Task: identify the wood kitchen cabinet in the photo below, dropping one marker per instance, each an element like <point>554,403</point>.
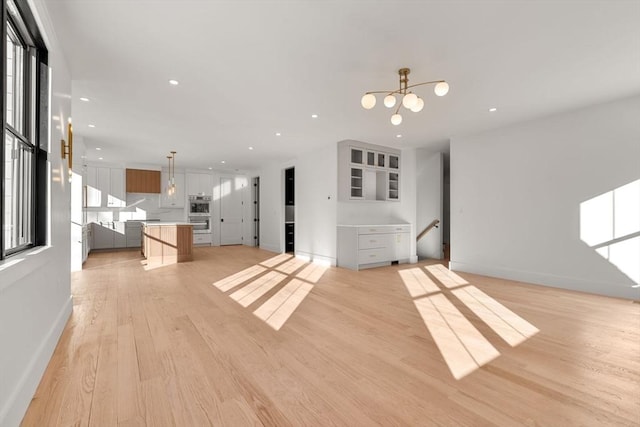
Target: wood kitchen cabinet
<point>167,243</point>
<point>143,181</point>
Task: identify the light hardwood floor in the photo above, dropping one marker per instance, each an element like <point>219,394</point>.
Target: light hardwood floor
<point>166,347</point>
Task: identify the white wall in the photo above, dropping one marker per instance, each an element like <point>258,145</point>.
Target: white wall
<point>35,295</point>
<point>316,188</point>
<point>429,202</point>
<point>516,196</point>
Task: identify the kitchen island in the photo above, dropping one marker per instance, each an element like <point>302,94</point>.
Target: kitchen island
<point>167,242</point>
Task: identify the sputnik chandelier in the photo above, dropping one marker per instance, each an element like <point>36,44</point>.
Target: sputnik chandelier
<point>410,100</point>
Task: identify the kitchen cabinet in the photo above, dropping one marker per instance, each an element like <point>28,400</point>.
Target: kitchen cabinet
<point>368,172</point>
<point>167,243</point>
<point>133,234</point>
<point>177,200</point>
<point>143,181</point>
<point>105,187</point>
<point>108,235</point>
<point>367,246</point>
<point>199,184</point>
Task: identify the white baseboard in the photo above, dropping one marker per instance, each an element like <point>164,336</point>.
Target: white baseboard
<point>616,290</point>
<point>16,405</point>
<point>271,248</point>
<point>318,258</point>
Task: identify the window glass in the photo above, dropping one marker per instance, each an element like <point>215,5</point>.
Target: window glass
<point>18,197</point>
<point>15,81</point>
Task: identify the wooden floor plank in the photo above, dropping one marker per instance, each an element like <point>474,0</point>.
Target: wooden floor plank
<point>165,347</point>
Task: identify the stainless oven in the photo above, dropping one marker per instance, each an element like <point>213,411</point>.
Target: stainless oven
<point>199,205</point>
<point>201,224</point>
<point>200,214</point>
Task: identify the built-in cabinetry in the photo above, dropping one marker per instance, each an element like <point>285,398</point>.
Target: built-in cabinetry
<point>199,184</point>
<point>368,172</point>
<point>176,200</point>
<point>366,246</point>
<point>105,187</point>
<point>108,235</point>
<point>143,181</point>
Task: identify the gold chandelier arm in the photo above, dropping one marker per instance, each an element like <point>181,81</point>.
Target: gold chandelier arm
<point>401,91</point>
<point>426,83</point>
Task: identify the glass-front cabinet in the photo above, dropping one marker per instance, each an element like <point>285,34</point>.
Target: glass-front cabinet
<point>368,172</point>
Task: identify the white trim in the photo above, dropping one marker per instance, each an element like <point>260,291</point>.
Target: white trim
<point>16,405</point>
<point>616,290</point>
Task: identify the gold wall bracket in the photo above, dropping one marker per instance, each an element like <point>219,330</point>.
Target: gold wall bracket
<point>66,148</point>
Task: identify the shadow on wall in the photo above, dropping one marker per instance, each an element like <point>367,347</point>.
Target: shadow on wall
<point>610,225</point>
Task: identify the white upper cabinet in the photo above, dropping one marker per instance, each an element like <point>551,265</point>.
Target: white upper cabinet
<point>199,184</point>
<point>105,187</point>
<point>368,172</point>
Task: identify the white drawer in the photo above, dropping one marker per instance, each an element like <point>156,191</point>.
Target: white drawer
<point>370,256</point>
<point>202,239</point>
<point>381,229</point>
<point>373,241</point>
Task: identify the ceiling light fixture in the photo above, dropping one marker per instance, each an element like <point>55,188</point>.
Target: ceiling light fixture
<point>314,116</point>
<point>173,82</point>
<point>223,162</point>
<point>278,134</point>
<point>398,136</point>
<point>410,100</point>
<point>250,148</point>
<point>493,109</point>
<point>92,126</point>
<point>171,183</point>
<point>84,99</point>
<point>98,148</point>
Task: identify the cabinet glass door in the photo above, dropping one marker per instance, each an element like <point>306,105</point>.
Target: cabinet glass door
<point>393,186</point>
<point>356,183</point>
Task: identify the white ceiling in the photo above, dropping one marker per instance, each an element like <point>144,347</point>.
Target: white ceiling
<point>249,69</point>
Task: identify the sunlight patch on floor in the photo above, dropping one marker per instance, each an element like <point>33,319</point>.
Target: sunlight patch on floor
<point>254,290</point>
<point>462,346</point>
<point>276,310</point>
<point>417,282</point>
<point>238,278</point>
<point>272,262</point>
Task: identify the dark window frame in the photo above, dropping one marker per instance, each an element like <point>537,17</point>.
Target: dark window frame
<point>34,132</point>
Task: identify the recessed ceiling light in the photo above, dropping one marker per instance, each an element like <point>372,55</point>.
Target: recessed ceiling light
<point>314,116</point>
<point>493,109</point>
<point>92,126</point>
<point>84,99</point>
<point>173,82</point>
<point>99,158</point>
<point>398,136</point>
<point>98,148</point>
<point>250,148</point>
<point>210,168</point>
<point>278,134</point>
<point>223,161</point>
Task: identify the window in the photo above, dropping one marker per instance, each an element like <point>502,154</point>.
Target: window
<point>24,185</point>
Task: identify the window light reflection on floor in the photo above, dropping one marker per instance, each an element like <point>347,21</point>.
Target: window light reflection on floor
<point>462,346</point>
<point>252,283</point>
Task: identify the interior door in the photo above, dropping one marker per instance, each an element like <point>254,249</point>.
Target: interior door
<point>230,212</point>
